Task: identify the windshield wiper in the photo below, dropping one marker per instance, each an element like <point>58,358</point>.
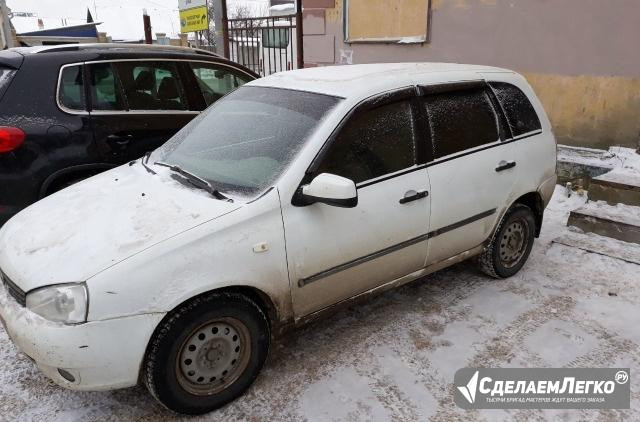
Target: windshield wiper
<point>195,181</point>
<point>144,162</point>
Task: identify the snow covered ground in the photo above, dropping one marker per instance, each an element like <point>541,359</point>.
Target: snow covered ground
<point>395,357</point>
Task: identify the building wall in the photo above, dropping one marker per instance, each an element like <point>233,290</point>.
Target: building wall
<point>580,56</point>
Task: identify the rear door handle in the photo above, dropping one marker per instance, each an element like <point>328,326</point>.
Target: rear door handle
<point>505,165</point>
<point>413,196</point>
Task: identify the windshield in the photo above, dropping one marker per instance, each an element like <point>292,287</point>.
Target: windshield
<point>243,142</point>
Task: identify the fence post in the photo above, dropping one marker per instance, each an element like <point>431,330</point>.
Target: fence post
<point>299,34</point>
<point>225,29</point>
<point>146,21</point>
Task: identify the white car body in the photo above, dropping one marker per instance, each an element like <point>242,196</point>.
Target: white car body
<point>144,244</point>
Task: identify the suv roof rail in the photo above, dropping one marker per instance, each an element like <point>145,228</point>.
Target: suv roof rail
<point>114,46</point>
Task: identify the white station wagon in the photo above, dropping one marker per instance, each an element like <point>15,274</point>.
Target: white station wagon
<point>292,195</point>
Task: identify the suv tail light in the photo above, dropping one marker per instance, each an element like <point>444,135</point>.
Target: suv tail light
<point>10,138</point>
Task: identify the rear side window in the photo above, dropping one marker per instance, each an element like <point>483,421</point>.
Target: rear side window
<point>71,88</point>
<point>151,85</point>
<point>105,94</point>
<point>6,75</point>
<point>216,81</point>
<point>460,120</point>
<point>373,143</point>
<point>521,115</point>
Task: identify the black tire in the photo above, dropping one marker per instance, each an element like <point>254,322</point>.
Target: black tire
<point>496,261</point>
<point>164,375</point>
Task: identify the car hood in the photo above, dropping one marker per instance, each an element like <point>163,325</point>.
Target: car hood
<point>88,227</point>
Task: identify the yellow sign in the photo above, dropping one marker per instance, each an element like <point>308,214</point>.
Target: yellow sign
<point>196,19</point>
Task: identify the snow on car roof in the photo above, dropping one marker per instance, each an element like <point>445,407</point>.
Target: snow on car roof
<point>367,79</point>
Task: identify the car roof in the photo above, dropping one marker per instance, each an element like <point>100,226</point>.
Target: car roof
<point>364,80</point>
<point>74,53</point>
<point>112,47</point>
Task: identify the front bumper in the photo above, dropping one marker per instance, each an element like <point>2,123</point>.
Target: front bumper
<point>100,355</point>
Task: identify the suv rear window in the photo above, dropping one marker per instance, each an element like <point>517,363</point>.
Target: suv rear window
<point>71,89</point>
<point>6,74</point>
<point>520,113</point>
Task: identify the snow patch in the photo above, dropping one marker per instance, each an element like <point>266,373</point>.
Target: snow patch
<point>419,39</point>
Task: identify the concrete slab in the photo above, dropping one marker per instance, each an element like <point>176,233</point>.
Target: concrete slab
<point>620,222</point>
<point>616,188</point>
<point>601,245</point>
<point>582,164</point>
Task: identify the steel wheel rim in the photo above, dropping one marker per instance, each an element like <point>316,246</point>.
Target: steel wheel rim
<point>513,243</point>
<point>213,356</point>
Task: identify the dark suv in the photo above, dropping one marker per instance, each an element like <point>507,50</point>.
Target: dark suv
<point>69,112</point>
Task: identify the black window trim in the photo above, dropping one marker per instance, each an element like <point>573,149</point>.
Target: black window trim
<point>426,90</point>
<point>61,106</point>
<point>504,113</point>
<point>409,92</point>
<point>424,155</point>
<point>498,111</point>
<point>86,64</point>
<point>370,103</point>
<point>423,137</point>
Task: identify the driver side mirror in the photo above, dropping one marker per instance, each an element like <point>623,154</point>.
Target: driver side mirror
<point>332,190</point>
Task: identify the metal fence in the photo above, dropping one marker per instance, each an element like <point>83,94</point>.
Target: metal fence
<point>265,45</point>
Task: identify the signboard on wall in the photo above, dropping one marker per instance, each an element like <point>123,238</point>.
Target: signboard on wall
<point>403,21</point>
<point>194,15</point>
<point>196,19</point>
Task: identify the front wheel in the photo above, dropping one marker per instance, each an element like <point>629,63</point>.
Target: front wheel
<point>206,353</point>
<point>511,244</point>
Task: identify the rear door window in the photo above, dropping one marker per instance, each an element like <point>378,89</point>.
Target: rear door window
<point>460,120</point>
<point>105,91</point>
<point>71,88</point>
<point>151,85</point>
<point>217,81</point>
<point>521,115</point>
<point>373,143</point>
<point>6,74</point>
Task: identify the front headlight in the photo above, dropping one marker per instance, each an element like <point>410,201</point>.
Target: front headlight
<point>66,303</point>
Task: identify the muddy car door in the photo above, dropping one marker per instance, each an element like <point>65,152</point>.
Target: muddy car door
<point>474,169</point>
<point>336,253</point>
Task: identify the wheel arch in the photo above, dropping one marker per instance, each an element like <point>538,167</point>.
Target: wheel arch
<point>262,299</point>
<point>534,201</point>
<point>69,173</point>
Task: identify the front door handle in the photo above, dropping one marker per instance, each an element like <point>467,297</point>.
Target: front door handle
<point>119,140</point>
<point>413,196</point>
<point>505,165</point>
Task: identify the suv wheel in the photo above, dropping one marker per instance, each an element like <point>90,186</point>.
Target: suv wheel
<point>206,353</point>
<point>511,244</point>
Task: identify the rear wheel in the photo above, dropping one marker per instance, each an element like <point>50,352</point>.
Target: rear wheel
<point>207,353</point>
<point>511,244</point>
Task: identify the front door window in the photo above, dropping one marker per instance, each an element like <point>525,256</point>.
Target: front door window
<point>374,143</point>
